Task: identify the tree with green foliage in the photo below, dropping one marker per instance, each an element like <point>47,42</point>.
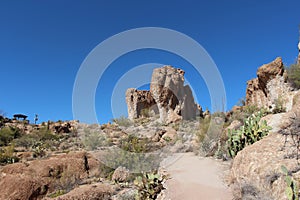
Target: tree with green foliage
<point>7,134</point>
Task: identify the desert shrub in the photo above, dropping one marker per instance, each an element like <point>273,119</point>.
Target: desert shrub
<point>7,155</point>
<point>251,109</point>
<point>122,121</point>
<point>140,121</point>
<point>26,141</point>
<point>203,128</point>
<point>149,185</point>
<point>213,133</point>
<point>65,180</point>
<point>248,191</point>
<point>292,130</point>
<point>278,106</point>
<point>38,149</point>
<point>252,131</point>
<point>133,154</point>
<point>92,139</point>
<point>57,193</point>
<point>218,114</point>
<point>38,141</point>
<point>135,162</point>
<point>7,134</point>
<point>294,75</point>
<point>134,144</point>
<point>45,134</point>
<point>145,112</point>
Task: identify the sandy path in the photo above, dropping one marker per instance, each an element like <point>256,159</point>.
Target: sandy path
<point>196,178</point>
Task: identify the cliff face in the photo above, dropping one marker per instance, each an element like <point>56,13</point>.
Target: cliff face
<point>168,96</point>
<point>269,87</point>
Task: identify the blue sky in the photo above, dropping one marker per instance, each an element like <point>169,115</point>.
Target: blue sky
<point>43,44</point>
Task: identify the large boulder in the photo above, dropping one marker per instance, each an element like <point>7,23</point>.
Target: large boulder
<point>35,179</point>
<point>168,96</point>
<point>270,87</point>
<point>259,165</point>
<point>97,191</point>
<point>121,174</point>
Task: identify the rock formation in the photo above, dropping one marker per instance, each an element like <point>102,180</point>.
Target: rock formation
<point>138,100</point>
<point>35,179</point>
<point>260,164</point>
<point>269,87</point>
<point>168,96</point>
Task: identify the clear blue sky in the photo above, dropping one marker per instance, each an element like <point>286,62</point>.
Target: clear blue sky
<point>43,43</point>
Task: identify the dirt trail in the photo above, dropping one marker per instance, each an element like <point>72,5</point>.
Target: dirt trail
<point>196,178</point>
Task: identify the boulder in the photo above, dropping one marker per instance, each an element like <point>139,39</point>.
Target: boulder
<point>234,125</point>
<point>37,178</point>
<point>270,87</point>
<point>121,174</point>
<point>97,191</point>
<point>259,165</point>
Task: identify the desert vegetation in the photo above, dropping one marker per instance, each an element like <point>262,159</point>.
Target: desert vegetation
<point>122,159</point>
<point>293,72</point>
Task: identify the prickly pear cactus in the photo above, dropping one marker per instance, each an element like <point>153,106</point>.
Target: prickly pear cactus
<point>292,190</point>
<point>249,133</point>
<point>149,185</point>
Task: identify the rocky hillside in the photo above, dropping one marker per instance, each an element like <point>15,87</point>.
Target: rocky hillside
<point>122,159</point>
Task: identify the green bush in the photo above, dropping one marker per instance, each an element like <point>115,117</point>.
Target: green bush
<point>92,140</point>
<point>38,141</point>
<point>294,75</point>
<point>249,133</point>
<point>27,140</point>
<point>203,128</point>
<point>7,134</point>
<point>133,154</point>
<point>213,135</point>
<point>7,155</point>
<point>135,162</point>
<point>134,144</point>
<point>45,134</point>
<point>122,121</point>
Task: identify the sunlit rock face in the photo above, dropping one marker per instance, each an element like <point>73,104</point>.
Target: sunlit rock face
<point>168,96</point>
<point>269,87</point>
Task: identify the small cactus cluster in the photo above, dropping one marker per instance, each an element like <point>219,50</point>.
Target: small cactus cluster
<point>149,185</point>
<point>292,190</point>
<point>252,131</point>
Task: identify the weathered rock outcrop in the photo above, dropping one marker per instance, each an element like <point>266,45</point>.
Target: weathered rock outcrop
<point>35,179</point>
<point>259,165</point>
<point>168,95</point>
<point>137,100</point>
<point>269,87</point>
